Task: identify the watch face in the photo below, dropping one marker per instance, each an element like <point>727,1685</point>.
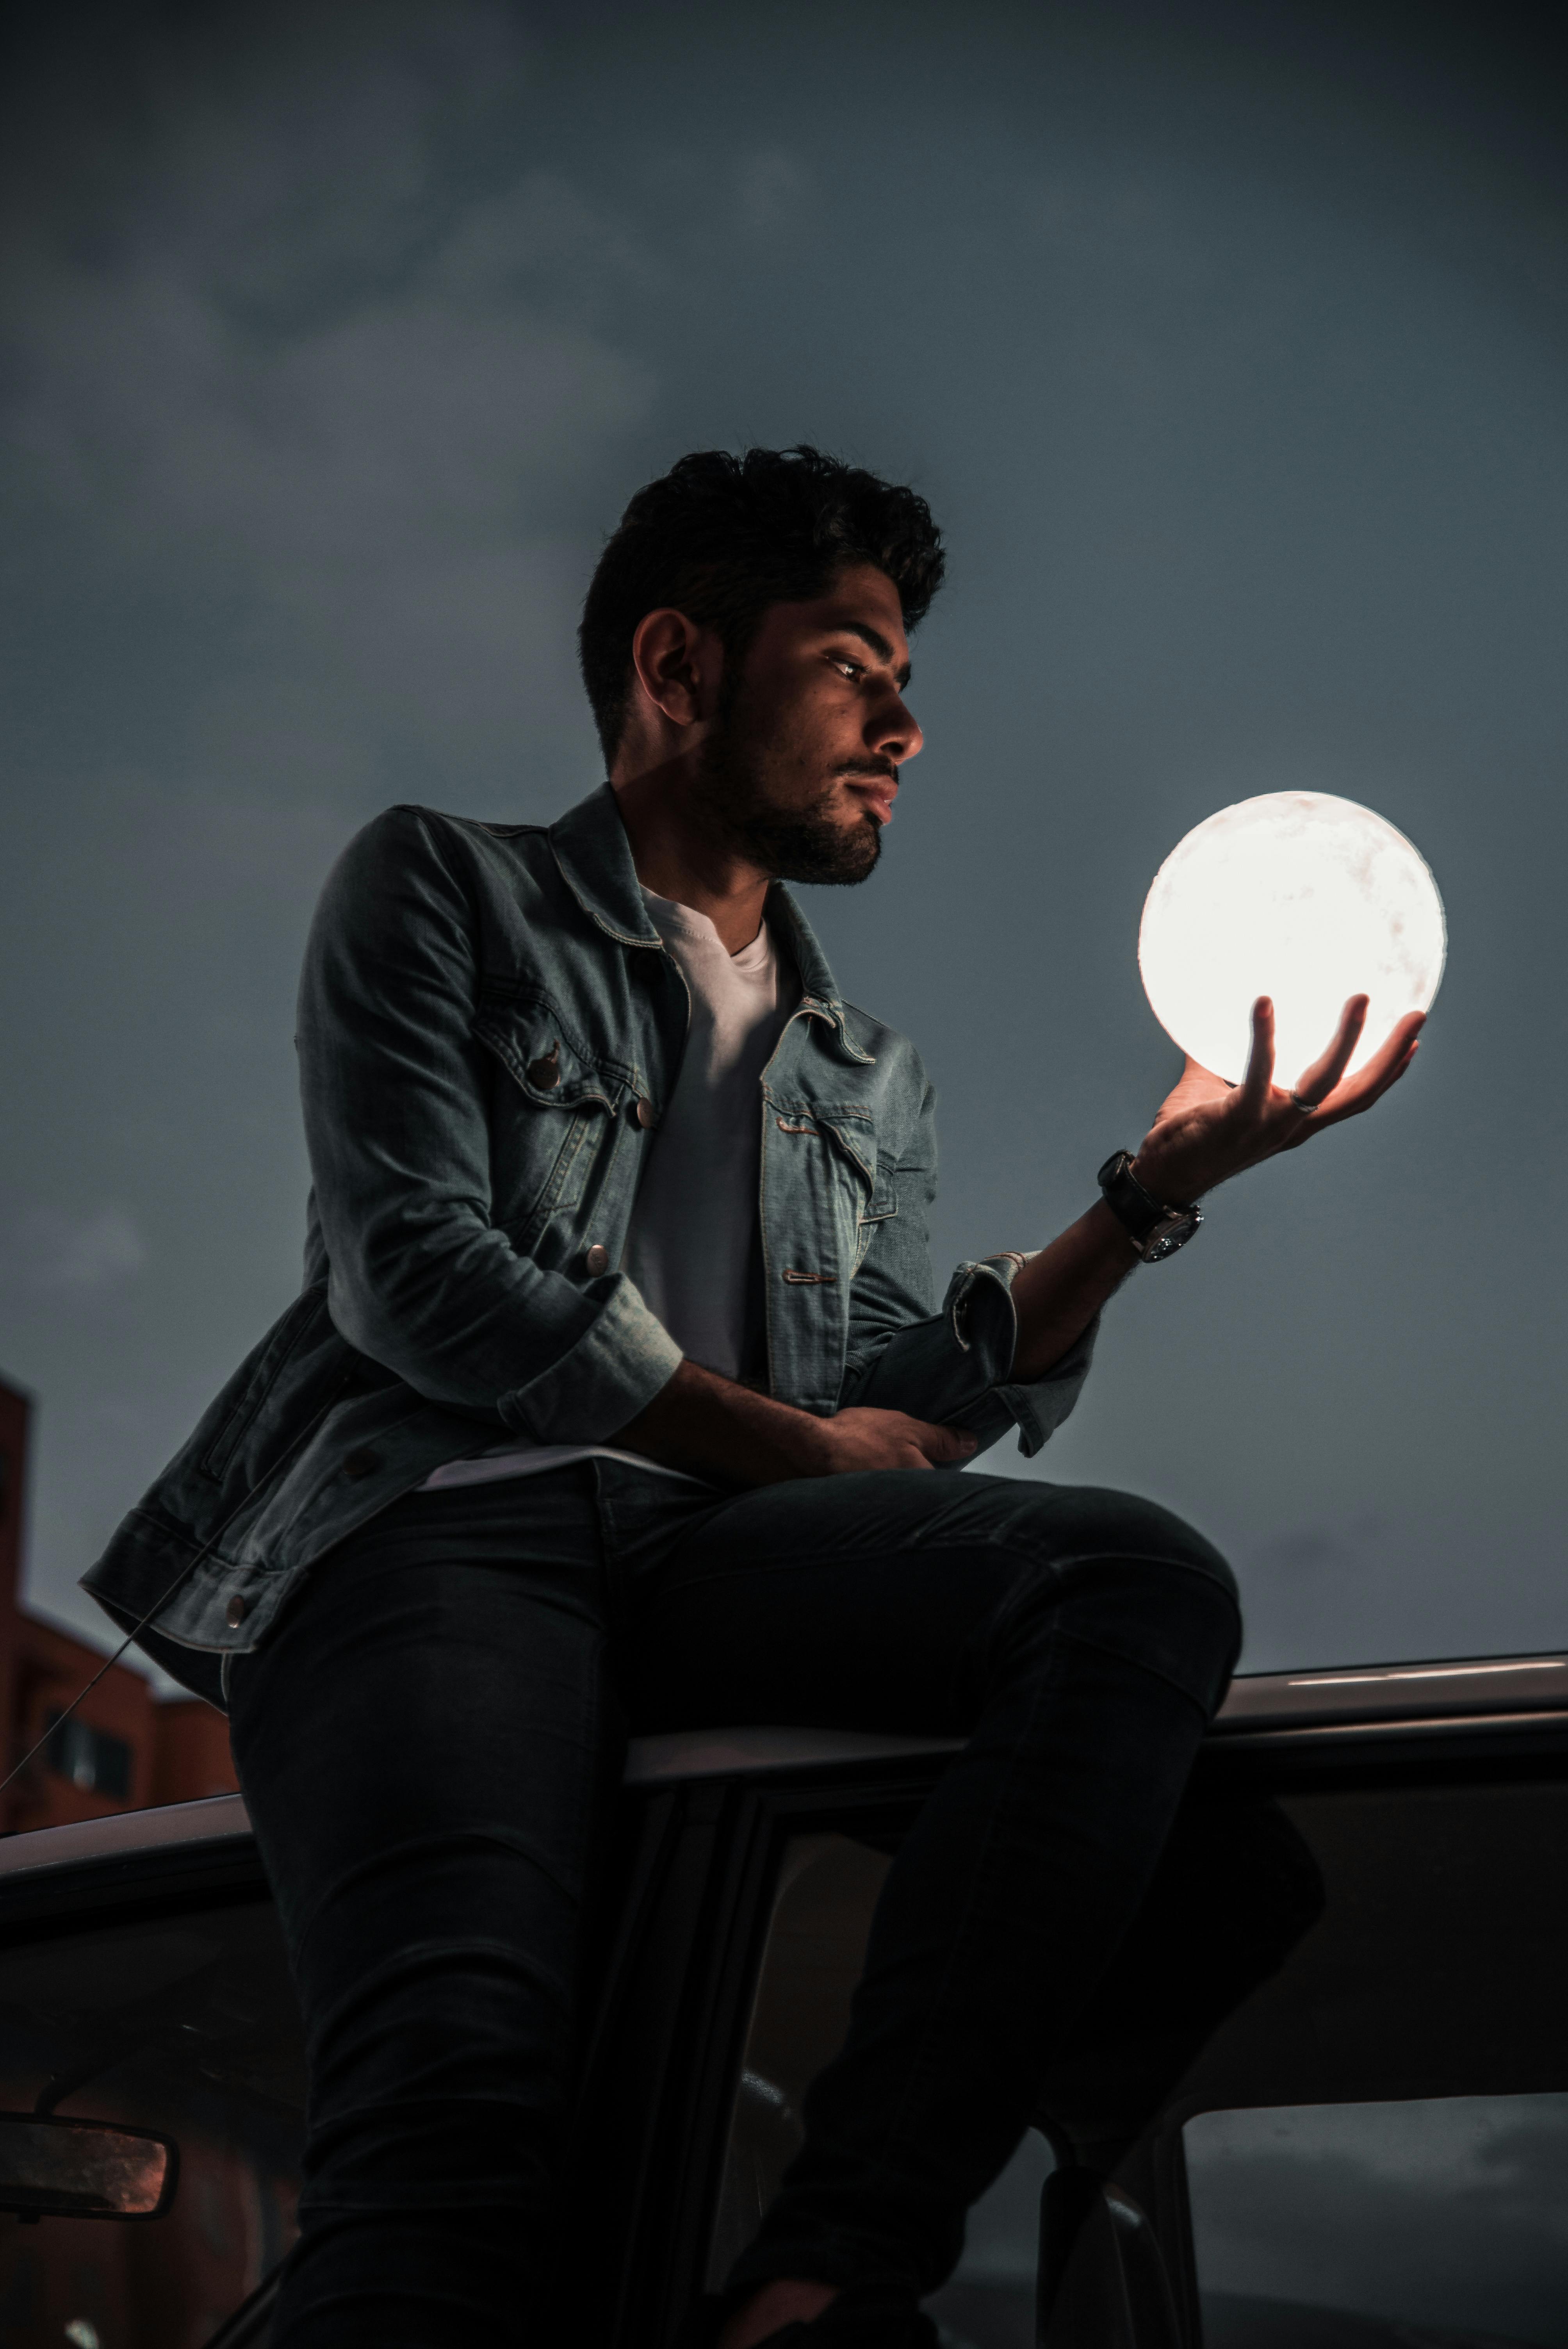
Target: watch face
<point>1173,1233</point>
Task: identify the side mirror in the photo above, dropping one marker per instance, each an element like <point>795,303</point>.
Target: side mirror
<point>58,2168</point>
<point>1102,2278</point>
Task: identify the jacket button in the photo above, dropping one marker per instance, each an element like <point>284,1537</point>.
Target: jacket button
<point>235,1612</point>
<point>598,1258</point>
<point>646,1114</point>
<point>361,1462</point>
<point>545,1073</point>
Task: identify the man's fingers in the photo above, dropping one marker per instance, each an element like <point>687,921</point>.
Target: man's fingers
<point>1260,1060</point>
<point>1325,1072</point>
<point>942,1443</point>
<point>1396,1053</point>
<point>1387,1063</point>
<point>1368,1085</point>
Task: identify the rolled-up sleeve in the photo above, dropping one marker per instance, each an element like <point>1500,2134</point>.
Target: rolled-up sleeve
<point>393,1088</point>
<point>954,1365</point>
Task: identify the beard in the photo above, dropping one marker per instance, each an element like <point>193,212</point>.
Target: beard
<point>790,844</point>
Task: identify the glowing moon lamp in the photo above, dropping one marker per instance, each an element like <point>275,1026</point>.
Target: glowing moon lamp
<point>1299,895</point>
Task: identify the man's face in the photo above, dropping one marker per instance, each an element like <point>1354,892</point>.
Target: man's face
<point>801,767</point>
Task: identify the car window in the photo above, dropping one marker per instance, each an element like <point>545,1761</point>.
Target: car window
<point>813,1957</point>
<point>1447,2214</point>
<point>989,2301</point>
<point>187,2025</point>
<point>816,1945</point>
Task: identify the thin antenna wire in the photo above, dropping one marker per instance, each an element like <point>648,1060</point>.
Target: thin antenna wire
<point>61,1718</point>
<point>208,1546</point>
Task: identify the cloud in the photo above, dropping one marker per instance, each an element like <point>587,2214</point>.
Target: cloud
<point>149,413</point>
<point>1346,1545</point>
<point>1447,2210</point>
<point>209,847</point>
<point>1117,218</point>
<point>50,1253</point>
<point>329,415</point>
<point>773,189</point>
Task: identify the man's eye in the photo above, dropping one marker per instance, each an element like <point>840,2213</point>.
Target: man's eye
<point>848,668</point>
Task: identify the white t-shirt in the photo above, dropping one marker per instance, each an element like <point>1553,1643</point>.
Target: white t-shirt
<point>693,1246</point>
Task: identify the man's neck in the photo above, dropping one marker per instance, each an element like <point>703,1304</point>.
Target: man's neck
<point>676,856</point>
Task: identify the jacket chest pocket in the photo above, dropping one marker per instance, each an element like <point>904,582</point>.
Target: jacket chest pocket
<point>553,1120</point>
<point>836,1187</point>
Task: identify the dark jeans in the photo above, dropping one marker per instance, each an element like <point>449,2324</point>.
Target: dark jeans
<point>428,1744</point>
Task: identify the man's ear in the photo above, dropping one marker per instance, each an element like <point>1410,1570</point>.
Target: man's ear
<point>677,666</point>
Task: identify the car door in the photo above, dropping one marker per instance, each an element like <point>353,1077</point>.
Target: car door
<point>143,1981</point>
<point>1322,2102</point>
<point>1371,2149</point>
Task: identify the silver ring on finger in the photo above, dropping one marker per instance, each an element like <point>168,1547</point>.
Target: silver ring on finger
<point>1306,1107</point>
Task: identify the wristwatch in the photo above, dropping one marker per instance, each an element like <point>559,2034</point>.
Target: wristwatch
<point>1155,1231</point>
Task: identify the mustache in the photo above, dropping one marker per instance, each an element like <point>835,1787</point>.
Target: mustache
<point>883,770</point>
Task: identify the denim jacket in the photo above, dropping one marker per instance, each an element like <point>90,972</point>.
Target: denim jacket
<point>489,1029</point>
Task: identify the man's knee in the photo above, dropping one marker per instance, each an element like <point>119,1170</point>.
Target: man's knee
<point>1085,1525</point>
<point>1128,1577</point>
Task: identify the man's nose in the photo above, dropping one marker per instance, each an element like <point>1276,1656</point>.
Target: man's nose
<point>894,732</point>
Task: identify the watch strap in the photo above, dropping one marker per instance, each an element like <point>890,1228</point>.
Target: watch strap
<point>1155,1229</point>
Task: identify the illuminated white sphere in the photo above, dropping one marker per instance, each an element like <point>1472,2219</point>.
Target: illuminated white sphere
<point>1301,896</point>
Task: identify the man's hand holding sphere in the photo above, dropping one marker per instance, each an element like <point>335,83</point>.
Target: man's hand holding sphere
<point>1326,921</point>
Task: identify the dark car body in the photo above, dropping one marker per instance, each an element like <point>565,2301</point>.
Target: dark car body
<point>1321,2104</point>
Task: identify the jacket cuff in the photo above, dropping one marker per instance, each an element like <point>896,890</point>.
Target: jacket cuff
<point>955,1368</point>
<point>622,1361</point>
<point>979,1304</point>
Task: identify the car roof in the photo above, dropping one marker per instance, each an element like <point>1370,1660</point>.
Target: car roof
<point>1259,1707</point>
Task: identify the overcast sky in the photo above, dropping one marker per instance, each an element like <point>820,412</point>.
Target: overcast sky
<point>1229,347</point>
<point>1444,2211</point>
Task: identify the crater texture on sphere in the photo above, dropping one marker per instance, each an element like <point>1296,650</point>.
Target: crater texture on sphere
<point>1299,895</point>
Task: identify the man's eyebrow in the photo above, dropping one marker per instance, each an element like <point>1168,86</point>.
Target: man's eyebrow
<point>879,644</point>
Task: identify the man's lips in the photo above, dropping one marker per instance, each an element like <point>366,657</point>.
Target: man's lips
<point>878,792</point>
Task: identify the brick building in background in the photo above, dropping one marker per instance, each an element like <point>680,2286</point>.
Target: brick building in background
<point>122,1749</point>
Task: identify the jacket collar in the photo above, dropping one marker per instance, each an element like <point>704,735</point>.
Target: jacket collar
<point>591,847</point>
<point>820,991</point>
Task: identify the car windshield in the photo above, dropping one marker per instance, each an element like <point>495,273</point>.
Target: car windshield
<point>187,2025</point>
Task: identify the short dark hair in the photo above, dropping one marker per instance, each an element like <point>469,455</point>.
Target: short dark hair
<point>721,537</point>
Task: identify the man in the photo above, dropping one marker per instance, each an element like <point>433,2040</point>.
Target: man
<point>613,1398</point>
